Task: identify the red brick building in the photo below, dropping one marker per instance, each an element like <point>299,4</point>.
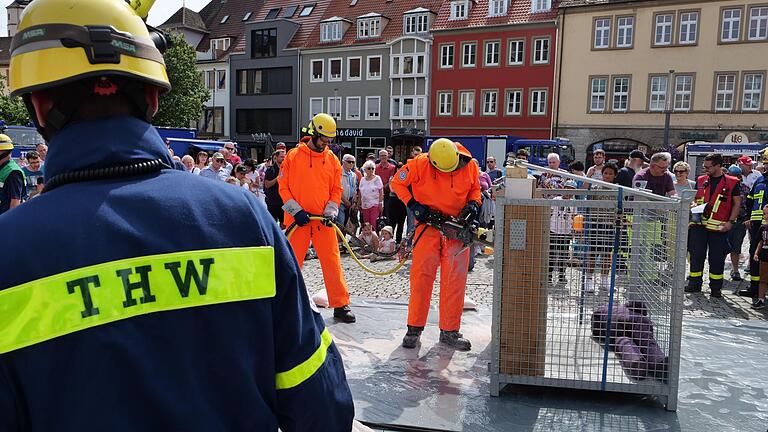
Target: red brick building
<point>493,66</point>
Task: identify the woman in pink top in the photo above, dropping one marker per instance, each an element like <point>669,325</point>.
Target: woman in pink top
<point>371,194</point>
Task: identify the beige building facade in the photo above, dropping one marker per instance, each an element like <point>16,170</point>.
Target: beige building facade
<point>622,65</point>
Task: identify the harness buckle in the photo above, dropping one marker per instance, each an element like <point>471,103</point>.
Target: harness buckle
<point>101,49</point>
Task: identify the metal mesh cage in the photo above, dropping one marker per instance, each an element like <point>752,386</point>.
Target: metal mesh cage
<point>588,290</point>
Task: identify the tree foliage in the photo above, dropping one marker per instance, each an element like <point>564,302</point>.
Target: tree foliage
<point>12,109</point>
<point>184,103</point>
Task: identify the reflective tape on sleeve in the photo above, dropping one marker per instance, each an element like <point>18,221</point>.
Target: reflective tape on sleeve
<point>302,372</point>
<point>79,299</point>
<point>715,276</point>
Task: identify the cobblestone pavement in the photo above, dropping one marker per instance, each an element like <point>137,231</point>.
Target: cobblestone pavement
<point>480,288</point>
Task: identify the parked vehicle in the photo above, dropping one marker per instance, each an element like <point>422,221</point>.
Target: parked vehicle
<point>24,139</point>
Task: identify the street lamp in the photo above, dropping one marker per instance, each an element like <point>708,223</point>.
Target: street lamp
<point>213,102</point>
<point>668,108</point>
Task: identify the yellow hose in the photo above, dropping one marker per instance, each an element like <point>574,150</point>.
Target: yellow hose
<point>343,238</point>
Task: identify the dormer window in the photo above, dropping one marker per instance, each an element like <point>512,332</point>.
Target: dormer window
<point>416,23</point>
<point>368,27</point>
<point>497,8</point>
<point>330,31</point>
<point>459,9</point>
<point>219,46</point>
<point>541,5</point>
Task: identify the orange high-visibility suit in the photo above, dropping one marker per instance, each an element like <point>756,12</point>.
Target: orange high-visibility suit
<point>447,193</point>
<point>313,180</point>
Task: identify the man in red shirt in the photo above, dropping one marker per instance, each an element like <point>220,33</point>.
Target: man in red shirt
<point>386,171</point>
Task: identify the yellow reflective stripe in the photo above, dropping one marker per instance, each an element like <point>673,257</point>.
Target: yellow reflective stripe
<point>697,274</point>
<point>302,372</point>
<point>717,204</point>
<point>715,276</point>
<point>79,299</point>
<point>754,278</point>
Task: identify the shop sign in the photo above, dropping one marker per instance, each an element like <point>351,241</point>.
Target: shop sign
<point>409,132</point>
<point>736,138</point>
<point>698,136</point>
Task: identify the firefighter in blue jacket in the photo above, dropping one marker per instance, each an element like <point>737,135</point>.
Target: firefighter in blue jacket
<point>136,314</point>
<point>756,200</point>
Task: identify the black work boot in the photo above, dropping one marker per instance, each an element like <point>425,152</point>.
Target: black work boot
<point>691,288</point>
<point>344,314</point>
<point>412,336</point>
<point>455,339</point>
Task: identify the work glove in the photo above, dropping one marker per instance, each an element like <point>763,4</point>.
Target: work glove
<point>331,210</point>
<point>294,209</point>
<point>469,213</point>
<point>420,211</point>
<point>301,218</point>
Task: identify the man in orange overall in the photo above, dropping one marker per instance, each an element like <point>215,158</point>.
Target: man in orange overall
<point>310,185</point>
<point>445,181</point>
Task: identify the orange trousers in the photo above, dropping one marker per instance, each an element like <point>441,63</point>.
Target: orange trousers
<point>327,247</point>
<point>432,250</point>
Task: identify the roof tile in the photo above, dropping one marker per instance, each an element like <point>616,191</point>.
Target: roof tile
<point>306,24</point>
<point>234,27</point>
<point>519,12</point>
<point>392,9</point>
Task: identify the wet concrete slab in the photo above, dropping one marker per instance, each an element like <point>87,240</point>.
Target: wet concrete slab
<point>723,384</point>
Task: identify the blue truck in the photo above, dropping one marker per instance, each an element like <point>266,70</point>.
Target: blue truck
<point>502,146</point>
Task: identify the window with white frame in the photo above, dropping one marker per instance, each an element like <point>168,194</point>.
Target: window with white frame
<point>625,27</point>
<point>658,98</point>
<point>516,52</point>
<point>216,79</point>
<point>334,69</point>
<point>758,23</point>
<point>538,102</point>
<point>334,107</point>
<point>446,56</point>
<point>598,87</point>
<point>689,24</point>
<point>620,93</point>
<point>315,106</point>
<point>368,28</point>
<point>731,25</point>
<point>466,103</point>
<point>444,103</point>
<point>416,23</point>
<point>408,65</point>
<point>663,29</point>
<point>514,102</point>
<point>408,107</point>
<point>330,31</point>
<point>725,89</point>
<point>541,51</point>
<point>541,5</point>
<point>354,68</point>
<point>374,68</point>
<point>459,9</point>
<point>492,53</point>
<point>353,108</point>
<point>602,33</point>
<point>220,44</point>
<point>683,92</point>
<point>468,51</point>
<point>372,107</point>
<point>753,91</point>
<point>490,102</point>
<point>497,7</point>
<point>318,67</point>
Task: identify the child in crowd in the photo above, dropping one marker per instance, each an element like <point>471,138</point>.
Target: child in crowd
<point>369,239</point>
<point>761,254</point>
<point>387,245</point>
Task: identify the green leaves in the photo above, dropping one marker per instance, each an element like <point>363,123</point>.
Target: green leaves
<point>12,109</point>
<point>184,103</point>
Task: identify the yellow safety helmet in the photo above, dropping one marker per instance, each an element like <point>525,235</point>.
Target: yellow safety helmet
<point>764,154</point>
<point>444,155</point>
<point>58,42</point>
<point>322,124</point>
<point>5,143</point>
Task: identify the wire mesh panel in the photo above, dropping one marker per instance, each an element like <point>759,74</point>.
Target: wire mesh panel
<point>588,291</point>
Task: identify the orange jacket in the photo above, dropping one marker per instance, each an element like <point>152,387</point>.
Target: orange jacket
<point>445,192</point>
<point>311,178</point>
